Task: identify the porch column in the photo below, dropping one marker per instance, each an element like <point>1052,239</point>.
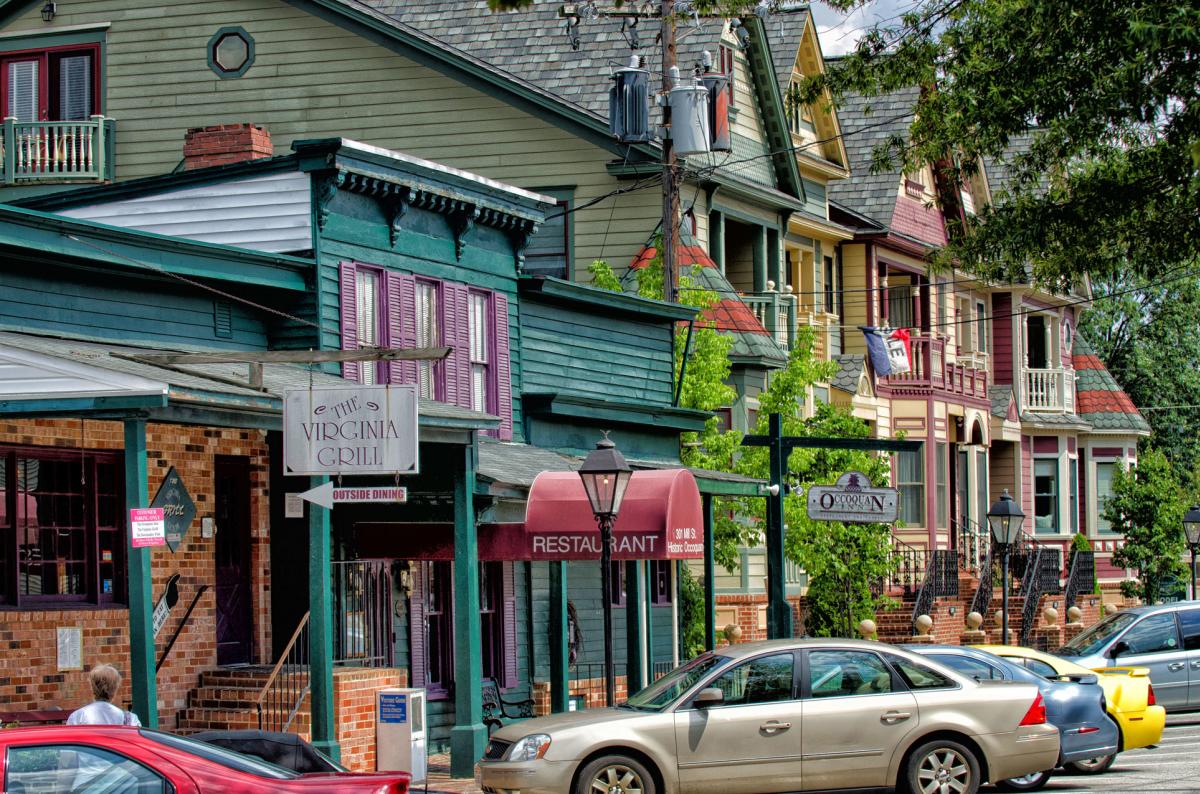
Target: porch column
<point>141,631</point>
<point>648,624</point>
<point>468,736</point>
<point>559,658</point>
<point>634,592</point>
<point>774,270</point>
<point>320,629</point>
<point>759,250</point>
<point>710,585</point>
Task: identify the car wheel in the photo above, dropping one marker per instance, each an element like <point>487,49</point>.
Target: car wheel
<point>1030,782</point>
<point>942,767</point>
<point>615,774</point>
<point>1093,766</point>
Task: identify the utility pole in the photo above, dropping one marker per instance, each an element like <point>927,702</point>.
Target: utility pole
<point>670,214</point>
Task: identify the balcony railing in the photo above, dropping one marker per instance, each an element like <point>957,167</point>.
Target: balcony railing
<point>932,371</point>
<point>1048,390</point>
<point>58,151</point>
<point>777,312</point>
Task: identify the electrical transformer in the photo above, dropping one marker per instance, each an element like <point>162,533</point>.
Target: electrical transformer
<point>629,104</point>
<point>689,116</point>
<point>718,110</point>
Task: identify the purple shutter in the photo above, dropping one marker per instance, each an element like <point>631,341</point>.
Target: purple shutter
<point>418,662</point>
<point>503,369</point>
<point>402,324</point>
<point>348,298</point>
<point>509,587</point>
<point>456,334</point>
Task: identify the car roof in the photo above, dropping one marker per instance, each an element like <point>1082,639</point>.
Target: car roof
<point>1154,608</point>
<point>743,650</point>
<point>33,730</point>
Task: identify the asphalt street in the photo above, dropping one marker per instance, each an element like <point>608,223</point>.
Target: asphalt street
<point>1173,765</point>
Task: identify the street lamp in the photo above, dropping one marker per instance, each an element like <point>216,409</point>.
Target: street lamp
<point>605,476</point>
<point>1191,528</point>
<point>1005,519</point>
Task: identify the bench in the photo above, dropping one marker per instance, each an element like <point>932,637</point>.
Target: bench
<point>43,717</point>
<point>497,710</point>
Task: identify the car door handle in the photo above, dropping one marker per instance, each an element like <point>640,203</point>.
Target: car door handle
<point>772,726</point>
<point>1175,667</point>
<point>892,717</point>
<point>1196,665</point>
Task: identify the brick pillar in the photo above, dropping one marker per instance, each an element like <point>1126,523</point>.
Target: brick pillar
<point>222,144</point>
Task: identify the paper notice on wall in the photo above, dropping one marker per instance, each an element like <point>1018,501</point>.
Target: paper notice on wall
<point>70,648</point>
<point>147,527</point>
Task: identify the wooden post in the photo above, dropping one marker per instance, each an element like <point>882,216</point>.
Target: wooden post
<point>710,586</point>
<point>468,736</point>
<point>670,188</point>
<point>320,629</point>
<point>10,150</point>
<point>559,658</point>
<point>633,627</point>
<point>141,631</point>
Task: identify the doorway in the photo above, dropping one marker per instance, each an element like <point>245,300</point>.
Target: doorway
<point>234,609</point>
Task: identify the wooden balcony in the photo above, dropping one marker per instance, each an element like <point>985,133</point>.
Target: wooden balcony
<point>1048,391</point>
<point>931,372</point>
<point>57,151</point>
<point>777,312</point>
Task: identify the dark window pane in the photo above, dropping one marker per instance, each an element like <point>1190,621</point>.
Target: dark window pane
<point>844,673</point>
<point>767,679</point>
<point>918,676</point>
<point>77,768</point>
<point>1189,619</point>
<point>968,666</point>
<point>1155,634</point>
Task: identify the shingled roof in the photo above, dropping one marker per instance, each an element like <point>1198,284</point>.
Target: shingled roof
<point>729,315</point>
<point>1100,400</point>
<point>866,123</point>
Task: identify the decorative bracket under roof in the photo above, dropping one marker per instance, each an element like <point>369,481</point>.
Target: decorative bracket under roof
<point>462,221</point>
<point>396,207</point>
<point>327,188</point>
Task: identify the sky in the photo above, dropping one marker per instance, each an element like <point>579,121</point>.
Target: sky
<point>840,32</point>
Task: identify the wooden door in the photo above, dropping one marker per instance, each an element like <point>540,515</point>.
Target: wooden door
<point>235,625</point>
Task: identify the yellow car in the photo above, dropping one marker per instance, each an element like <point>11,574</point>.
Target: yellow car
<point>1127,691</point>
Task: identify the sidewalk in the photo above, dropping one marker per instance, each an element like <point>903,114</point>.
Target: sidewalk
<point>441,782</point>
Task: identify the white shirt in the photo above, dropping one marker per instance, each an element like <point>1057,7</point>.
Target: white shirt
<point>101,712</point>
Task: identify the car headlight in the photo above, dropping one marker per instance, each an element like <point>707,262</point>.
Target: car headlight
<point>529,748</point>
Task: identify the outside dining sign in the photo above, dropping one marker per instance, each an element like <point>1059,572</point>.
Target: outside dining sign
<point>853,500</point>
<point>351,430</point>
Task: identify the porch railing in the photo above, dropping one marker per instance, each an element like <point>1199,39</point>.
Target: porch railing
<point>777,312</point>
<point>282,695</point>
<point>58,151</point>
<point>1046,390</point>
<point>931,370</point>
<point>586,684</point>
<point>362,613</point>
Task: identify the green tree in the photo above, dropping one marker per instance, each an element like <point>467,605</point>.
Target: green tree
<point>1101,97</point>
<point>1146,508</point>
<point>1149,339</point>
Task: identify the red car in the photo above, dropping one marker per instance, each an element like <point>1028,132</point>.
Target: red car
<point>119,760</point>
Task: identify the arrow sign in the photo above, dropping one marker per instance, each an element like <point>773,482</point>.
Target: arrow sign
<point>327,496</point>
<point>321,495</point>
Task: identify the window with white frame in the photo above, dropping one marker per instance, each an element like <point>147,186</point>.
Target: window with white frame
<point>428,335</point>
<point>1104,484</point>
<point>910,480</point>
<point>964,327</point>
<point>479,320</point>
<point>1045,496</point>
<point>981,328</point>
<point>366,310</point>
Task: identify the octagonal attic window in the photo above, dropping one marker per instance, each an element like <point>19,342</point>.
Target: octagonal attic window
<point>230,52</point>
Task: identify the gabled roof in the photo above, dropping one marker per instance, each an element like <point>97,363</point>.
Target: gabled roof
<point>1100,400</point>
<point>729,315</point>
<point>866,123</point>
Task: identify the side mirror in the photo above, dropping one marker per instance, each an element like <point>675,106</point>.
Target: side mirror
<point>710,696</point>
<point>1118,649</point>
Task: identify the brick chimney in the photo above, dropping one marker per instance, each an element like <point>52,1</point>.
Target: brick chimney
<point>222,144</point>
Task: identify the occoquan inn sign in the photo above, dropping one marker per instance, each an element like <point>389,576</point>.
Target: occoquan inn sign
<point>853,500</point>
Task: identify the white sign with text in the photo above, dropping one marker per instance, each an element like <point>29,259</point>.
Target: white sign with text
<point>351,430</point>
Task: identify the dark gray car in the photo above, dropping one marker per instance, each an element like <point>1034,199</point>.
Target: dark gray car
<point>1165,639</point>
<point>1075,706</point>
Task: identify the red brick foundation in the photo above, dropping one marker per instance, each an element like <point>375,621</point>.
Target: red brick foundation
<point>354,708</point>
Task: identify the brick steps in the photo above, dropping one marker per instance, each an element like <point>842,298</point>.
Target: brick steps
<point>227,698</point>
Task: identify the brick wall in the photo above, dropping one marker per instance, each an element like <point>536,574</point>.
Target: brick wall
<point>222,144</point>
<point>29,678</point>
<point>354,708</point>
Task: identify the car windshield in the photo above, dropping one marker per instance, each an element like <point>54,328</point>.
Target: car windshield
<point>219,755</point>
<point>1095,638</point>
<point>667,689</point>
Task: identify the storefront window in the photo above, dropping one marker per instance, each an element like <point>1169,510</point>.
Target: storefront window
<point>1045,496</point>
<point>60,519</point>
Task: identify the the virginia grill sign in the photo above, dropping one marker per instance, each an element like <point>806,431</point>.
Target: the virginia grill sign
<point>853,500</point>
<point>351,430</point>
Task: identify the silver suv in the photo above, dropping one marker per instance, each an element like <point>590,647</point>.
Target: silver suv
<point>1165,639</point>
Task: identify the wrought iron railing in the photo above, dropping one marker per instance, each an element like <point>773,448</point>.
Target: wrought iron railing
<point>282,695</point>
<point>941,580</point>
<point>661,669</point>
<point>1081,577</point>
<point>777,313</point>
<point>974,543</point>
<point>910,564</point>
<point>362,613</point>
<point>1042,576</point>
<point>982,601</point>
<point>57,151</point>
<point>1045,390</point>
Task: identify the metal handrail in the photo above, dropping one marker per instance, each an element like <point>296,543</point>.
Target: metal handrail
<point>1081,577</point>
<point>911,563</point>
<point>288,672</point>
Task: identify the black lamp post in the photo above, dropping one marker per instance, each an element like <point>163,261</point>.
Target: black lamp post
<point>1005,519</point>
<point>1191,528</point>
<point>605,477</point>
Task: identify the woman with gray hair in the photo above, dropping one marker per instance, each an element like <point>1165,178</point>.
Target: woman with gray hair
<point>105,681</point>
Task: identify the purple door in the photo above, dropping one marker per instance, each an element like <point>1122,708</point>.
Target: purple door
<point>234,622</point>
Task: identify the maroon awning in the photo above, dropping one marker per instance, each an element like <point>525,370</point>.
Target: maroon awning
<point>660,518</point>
